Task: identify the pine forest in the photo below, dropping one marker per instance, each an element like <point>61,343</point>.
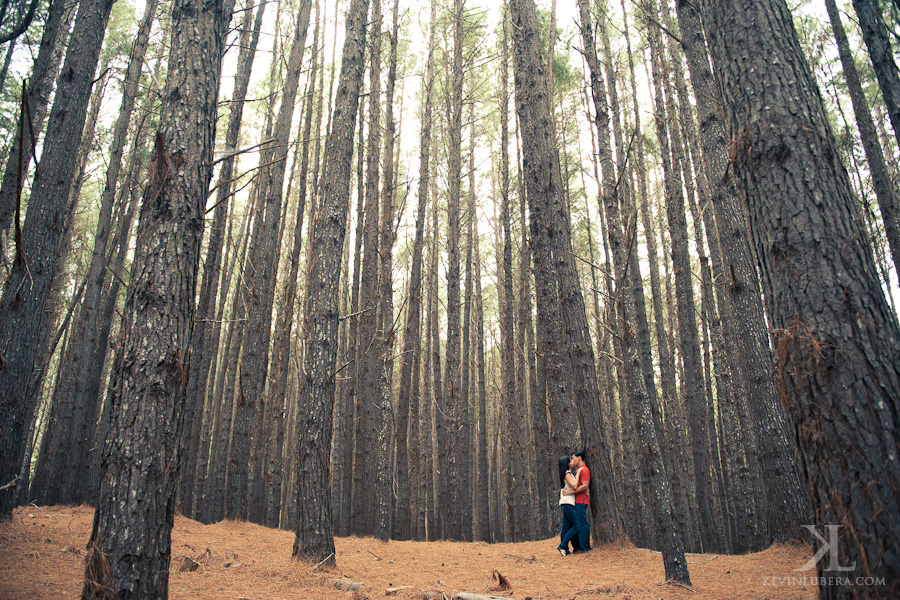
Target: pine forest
<point>428,270</point>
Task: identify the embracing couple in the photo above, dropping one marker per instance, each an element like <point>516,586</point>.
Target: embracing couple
<point>574,478</point>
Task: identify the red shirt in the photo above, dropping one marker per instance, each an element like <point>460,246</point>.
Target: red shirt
<point>584,476</point>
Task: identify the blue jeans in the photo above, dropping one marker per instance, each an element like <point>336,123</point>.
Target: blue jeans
<point>581,524</point>
<point>569,530</point>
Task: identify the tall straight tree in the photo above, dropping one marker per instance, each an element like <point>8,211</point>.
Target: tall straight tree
<point>788,507</point>
<point>26,311</point>
<point>384,481</point>
<point>263,266</point>
<point>411,340</point>
<point>315,533</point>
<point>877,37</point>
<point>836,338</point>
<point>205,344</point>
<point>550,228</point>
<point>452,510</point>
<point>656,480</point>
<point>693,393</point>
<point>885,192</point>
<point>130,546</point>
<point>370,365</point>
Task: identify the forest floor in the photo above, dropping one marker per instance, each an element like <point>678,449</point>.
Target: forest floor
<point>42,554</point>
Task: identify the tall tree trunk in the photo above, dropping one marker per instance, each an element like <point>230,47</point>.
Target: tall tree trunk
<point>788,507</point>
<point>26,313</point>
<point>83,389</point>
<point>370,365</point>
<point>692,389</point>
<point>876,36</point>
<point>384,483</point>
<point>835,336</point>
<point>130,545</point>
<point>408,507</point>
<point>453,508</point>
<point>315,535</point>
<point>544,192</point>
<point>627,289</point>
<point>437,473</point>
<point>884,191</point>
<point>40,89</point>
<point>512,409</point>
<point>260,288</point>
<point>204,349</point>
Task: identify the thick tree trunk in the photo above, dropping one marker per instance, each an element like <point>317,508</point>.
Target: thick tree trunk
<point>130,544</point>
<point>26,313</point>
<point>836,338</point>
<point>370,366</point>
<point>315,535</point>
<point>788,507</point>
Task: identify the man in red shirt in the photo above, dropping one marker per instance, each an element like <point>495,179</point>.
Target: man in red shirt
<point>582,500</point>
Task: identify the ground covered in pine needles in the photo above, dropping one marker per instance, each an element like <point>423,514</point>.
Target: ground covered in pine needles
<point>42,554</point>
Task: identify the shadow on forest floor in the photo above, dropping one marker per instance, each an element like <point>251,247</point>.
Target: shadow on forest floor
<point>42,553</point>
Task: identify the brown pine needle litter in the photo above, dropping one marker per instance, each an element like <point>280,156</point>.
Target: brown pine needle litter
<point>42,552</point>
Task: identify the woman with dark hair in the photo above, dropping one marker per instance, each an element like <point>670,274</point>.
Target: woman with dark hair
<point>569,530</point>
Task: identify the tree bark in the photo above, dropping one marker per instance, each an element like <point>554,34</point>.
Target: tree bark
<point>315,535</point>
<point>788,508</point>
<point>384,480</point>
<point>130,545</point>
<point>876,36</point>
<point>835,337</point>
<point>26,313</point>
<point>370,366</point>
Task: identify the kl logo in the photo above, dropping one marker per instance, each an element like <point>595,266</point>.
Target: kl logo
<point>829,546</point>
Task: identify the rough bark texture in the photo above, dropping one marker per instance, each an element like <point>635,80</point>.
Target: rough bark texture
<point>370,365</point>
<point>452,380</point>
<point>788,508</point>
<point>130,544</point>
<point>26,310</point>
<point>40,88</point>
<point>836,339</point>
<point>315,535</point>
<point>550,227</point>
<point>656,481</point>
<point>384,472</point>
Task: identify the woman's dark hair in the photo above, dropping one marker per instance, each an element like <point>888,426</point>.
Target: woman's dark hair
<point>563,467</point>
